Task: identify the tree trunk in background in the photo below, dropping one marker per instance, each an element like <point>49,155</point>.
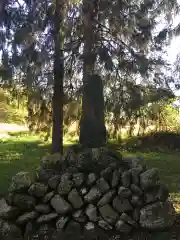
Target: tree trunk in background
<point>57,103</point>
<point>92,126</point>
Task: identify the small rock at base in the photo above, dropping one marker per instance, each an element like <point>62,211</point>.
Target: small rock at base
<point>124,192</point>
<point>38,189</point>
<point>91,212</point>
<point>135,189</point>
<point>136,201</point>
<point>91,179</point>
<point>121,226</point>
<point>60,205</point>
<point>65,187</point>
<point>6,211</point>
<point>127,219</point>
<point>157,216</point>
<point>108,214</point>
<point>47,218</point>
<point>78,179</point>
<point>48,197</point>
<point>106,198</point>
<point>126,179</point>
<point>93,195</point>
<point>43,208</point>
<point>24,202</point>
<point>26,217</point>
<point>22,180</point>
<point>104,225</point>
<point>102,185</point>
<point>122,205</point>
<point>149,179</point>
<point>79,216</point>
<point>54,181</point>
<point>75,199</point>
<point>9,231</point>
<point>61,222</point>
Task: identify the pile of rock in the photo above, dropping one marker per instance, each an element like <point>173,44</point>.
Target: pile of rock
<point>83,195</point>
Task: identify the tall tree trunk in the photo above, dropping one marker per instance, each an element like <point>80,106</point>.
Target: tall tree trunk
<point>57,131</point>
<point>92,126</point>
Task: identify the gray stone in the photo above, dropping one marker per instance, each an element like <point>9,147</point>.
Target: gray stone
<point>91,212</point>
<point>6,211</point>
<point>83,191</point>
<point>157,216</point>
<point>9,231</point>
<point>127,219</point>
<point>122,205</point>
<point>151,196</point>
<point>116,176</point>
<point>107,173</point>
<point>163,192</point>
<point>60,205</point>
<point>160,192</point>
<point>47,217</point>
<point>45,174</point>
<point>61,222</point>
<point>135,175</point>
<point>48,197</point>
<point>38,189</point>
<point>51,160</point>
<point>78,179</point>
<point>66,176</point>
<point>135,161</point>
<point>104,225</point>
<point>9,198</point>
<point>136,201</point>
<point>26,217</point>
<point>124,192</point>
<point>149,179</point>
<point>126,179</point>
<point>136,190</point>
<point>108,214</point>
<point>22,180</point>
<point>75,199</point>
<point>65,187</point>
<point>102,185</point>
<point>106,198</point>
<point>54,181</point>
<point>24,202</point>
<point>93,195</point>
<point>89,226</point>
<point>121,226</point>
<point>79,216</point>
<point>43,208</point>
<point>91,179</point>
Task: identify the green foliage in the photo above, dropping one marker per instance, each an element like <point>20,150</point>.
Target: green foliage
<point>12,110</point>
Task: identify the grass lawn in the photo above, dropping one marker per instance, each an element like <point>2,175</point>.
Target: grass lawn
<point>24,154</point>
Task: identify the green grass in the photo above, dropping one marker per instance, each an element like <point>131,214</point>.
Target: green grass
<point>24,153</point>
<point>19,154</point>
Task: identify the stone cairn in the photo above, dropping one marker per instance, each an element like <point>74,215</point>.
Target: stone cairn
<point>85,194</point>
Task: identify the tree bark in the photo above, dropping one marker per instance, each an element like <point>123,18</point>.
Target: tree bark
<point>57,103</point>
<point>92,126</point>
